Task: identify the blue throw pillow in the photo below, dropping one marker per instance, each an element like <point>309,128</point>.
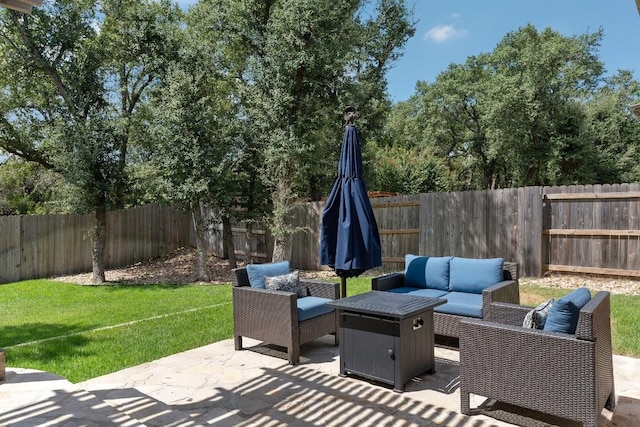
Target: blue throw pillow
<point>437,272</point>
<point>415,271</point>
<point>257,272</point>
<point>563,316</point>
<point>473,275</point>
<point>426,272</point>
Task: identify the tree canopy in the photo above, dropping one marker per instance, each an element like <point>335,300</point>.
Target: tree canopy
<point>534,111</point>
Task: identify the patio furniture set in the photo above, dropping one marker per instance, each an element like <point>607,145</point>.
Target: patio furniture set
<point>555,358</point>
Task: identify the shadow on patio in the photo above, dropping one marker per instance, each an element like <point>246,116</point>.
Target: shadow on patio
<point>215,385</point>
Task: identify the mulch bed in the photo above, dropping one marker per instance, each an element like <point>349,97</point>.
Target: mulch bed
<point>178,267</point>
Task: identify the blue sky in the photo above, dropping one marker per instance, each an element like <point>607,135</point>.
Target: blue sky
<point>449,31</point>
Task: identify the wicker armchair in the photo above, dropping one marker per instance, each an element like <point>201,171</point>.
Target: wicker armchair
<point>569,376</point>
<point>272,316</point>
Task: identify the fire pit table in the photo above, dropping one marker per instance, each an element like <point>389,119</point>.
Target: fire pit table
<point>386,337</point>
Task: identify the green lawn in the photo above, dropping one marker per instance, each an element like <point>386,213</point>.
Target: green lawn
<point>81,332</point>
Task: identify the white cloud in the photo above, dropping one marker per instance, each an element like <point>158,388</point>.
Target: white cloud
<point>455,15</point>
<point>443,33</point>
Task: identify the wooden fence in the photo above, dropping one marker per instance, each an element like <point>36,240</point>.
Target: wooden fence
<point>37,246</point>
<point>576,229</point>
<point>592,229</point>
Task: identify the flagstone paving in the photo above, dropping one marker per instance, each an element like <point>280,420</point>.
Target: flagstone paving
<point>217,386</point>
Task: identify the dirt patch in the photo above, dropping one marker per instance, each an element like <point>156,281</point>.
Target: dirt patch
<point>565,281</point>
<point>178,268</point>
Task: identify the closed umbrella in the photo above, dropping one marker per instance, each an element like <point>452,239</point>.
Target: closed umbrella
<point>349,238</point>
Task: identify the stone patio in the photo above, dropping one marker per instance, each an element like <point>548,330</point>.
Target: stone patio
<point>217,386</point>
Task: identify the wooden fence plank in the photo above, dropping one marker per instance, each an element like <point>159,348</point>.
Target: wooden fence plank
<point>591,270</point>
<point>604,195</point>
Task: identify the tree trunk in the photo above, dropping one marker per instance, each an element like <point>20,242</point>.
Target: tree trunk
<point>281,227</point>
<point>248,228</point>
<point>283,248</point>
<point>99,244</point>
<point>202,272</point>
<point>227,241</point>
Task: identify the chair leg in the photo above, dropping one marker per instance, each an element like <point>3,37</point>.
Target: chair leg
<point>294,354</point>
<point>465,403</point>
<point>237,339</point>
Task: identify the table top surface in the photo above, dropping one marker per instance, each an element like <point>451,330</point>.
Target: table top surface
<point>386,304</point>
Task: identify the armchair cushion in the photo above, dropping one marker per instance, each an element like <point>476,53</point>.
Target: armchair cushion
<point>427,272</point>
<point>473,275</point>
<point>537,317</point>
<point>310,307</point>
<point>257,272</point>
<point>563,316</point>
<point>286,282</point>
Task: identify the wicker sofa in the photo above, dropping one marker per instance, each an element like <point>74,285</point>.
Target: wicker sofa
<point>445,321</point>
<point>272,316</point>
<point>562,374</point>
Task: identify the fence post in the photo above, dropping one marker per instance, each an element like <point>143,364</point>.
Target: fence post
<point>530,220</point>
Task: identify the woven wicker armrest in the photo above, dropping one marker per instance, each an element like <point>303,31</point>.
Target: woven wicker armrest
<point>594,318</point>
<point>506,291</point>
<point>507,313</point>
<point>262,306</point>
<point>531,337</point>
<point>387,281</point>
<point>511,271</point>
<point>322,289</point>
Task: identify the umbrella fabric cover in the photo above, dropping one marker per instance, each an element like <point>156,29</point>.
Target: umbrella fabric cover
<point>349,238</point>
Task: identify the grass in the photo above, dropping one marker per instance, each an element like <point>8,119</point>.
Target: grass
<point>81,332</point>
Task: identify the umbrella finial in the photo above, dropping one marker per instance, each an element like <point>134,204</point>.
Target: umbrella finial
<point>350,114</point>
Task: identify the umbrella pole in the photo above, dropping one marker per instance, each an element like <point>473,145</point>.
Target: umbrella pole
<point>343,287</point>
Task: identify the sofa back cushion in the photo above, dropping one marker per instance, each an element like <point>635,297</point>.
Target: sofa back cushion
<point>426,272</point>
<point>564,313</point>
<point>473,275</point>
<point>257,272</point>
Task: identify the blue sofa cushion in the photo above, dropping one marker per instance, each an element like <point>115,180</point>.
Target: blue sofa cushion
<point>427,272</point>
<point>473,275</point>
<point>461,304</point>
<point>437,272</point>
<point>563,316</point>
<point>414,271</point>
<point>256,272</point>
<point>429,293</point>
<point>309,307</point>
<point>403,290</point>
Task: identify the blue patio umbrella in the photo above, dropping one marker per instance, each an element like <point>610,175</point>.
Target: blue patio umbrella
<point>349,237</point>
